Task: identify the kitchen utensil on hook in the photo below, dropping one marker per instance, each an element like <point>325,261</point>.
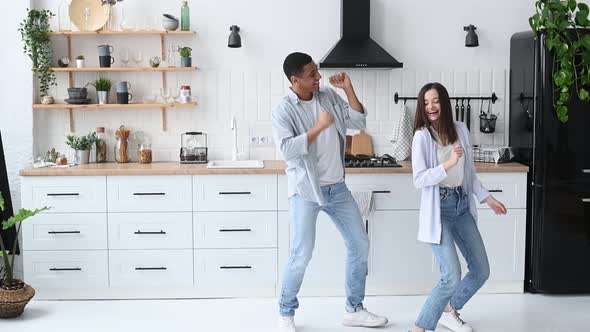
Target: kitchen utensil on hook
<point>456,109</point>
<point>468,114</point>
<point>462,110</point>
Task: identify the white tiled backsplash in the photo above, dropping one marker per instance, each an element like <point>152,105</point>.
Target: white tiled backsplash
<point>251,96</point>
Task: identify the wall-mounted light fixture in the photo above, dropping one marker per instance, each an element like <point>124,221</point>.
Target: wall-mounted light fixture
<point>234,40</point>
<point>471,40</point>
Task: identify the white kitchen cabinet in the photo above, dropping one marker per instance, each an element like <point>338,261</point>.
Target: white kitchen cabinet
<point>390,191</point>
<point>171,230</point>
<point>508,188</point>
<point>153,193</point>
<point>150,268</point>
<point>65,194</point>
<point>400,264</point>
<point>62,231</point>
<point>251,229</point>
<point>235,192</point>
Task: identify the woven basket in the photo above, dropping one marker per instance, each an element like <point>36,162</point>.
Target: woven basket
<point>13,301</point>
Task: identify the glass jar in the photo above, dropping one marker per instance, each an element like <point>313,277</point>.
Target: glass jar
<point>144,153</point>
<point>122,150</point>
<point>101,145</point>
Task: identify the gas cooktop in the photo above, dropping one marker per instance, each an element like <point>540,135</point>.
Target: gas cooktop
<point>365,161</point>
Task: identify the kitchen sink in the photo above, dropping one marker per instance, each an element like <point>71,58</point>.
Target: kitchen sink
<point>235,164</point>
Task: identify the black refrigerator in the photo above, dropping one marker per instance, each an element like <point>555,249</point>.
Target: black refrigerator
<point>558,154</point>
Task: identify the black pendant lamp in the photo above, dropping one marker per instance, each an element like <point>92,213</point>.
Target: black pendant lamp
<point>471,40</point>
<point>234,40</point>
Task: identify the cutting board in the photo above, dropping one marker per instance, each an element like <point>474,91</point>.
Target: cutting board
<point>361,144</point>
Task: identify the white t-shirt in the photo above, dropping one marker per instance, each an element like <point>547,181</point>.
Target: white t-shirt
<point>329,166</point>
<point>455,174</point>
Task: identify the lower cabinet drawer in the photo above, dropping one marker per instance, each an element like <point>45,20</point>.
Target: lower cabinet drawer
<point>236,272</point>
<point>151,230</point>
<point>66,269</point>
<point>151,268</point>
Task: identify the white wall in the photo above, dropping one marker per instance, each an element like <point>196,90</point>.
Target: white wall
<point>427,36</point>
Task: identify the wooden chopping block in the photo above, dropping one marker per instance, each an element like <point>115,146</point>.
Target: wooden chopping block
<point>361,144</point>
<point>348,144</point>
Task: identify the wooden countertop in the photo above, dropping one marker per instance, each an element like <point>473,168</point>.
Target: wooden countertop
<point>270,167</point>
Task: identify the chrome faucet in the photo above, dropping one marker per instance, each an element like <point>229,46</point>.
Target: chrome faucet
<point>234,128</point>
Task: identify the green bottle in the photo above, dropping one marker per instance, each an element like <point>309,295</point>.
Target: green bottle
<point>185,23</point>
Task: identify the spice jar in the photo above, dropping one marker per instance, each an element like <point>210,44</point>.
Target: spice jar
<point>101,145</point>
<point>144,153</point>
<point>185,94</point>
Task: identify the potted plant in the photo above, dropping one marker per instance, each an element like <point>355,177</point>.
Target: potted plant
<point>103,86</point>
<point>80,61</point>
<point>34,32</point>
<point>562,23</point>
<point>14,293</point>
<point>185,56</point>
<point>82,146</point>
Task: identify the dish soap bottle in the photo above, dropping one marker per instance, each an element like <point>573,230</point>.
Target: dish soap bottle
<point>185,24</point>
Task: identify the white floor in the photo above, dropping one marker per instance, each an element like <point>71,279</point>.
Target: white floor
<point>486,313</point>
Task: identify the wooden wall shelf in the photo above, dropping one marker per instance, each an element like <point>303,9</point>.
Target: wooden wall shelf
<point>135,32</point>
<point>109,106</point>
<point>119,69</point>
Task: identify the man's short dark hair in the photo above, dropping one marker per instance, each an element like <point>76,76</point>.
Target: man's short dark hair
<point>294,63</point>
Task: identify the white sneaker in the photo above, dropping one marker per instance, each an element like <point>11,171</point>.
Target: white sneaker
<point>363,318</point>
<point>452,321</point>
<point>287,324</point>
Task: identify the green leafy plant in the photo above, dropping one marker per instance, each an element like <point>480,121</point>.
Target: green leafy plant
<point>7,272</point>
<point>34,32</point>
<point>560,20</point>
<point>103,84</point>
<point>80,57</point>
<point>81,143</point>
<point>185,52</point>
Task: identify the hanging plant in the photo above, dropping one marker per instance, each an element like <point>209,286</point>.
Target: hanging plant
<point>34,32</point>
<point>561,21</point>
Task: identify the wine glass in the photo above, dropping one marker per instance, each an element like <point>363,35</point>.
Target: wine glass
<point>174,94</point>
<point>87,14</point>
<point>124,54</point>
<point>137,57</point>
<point>165,93</point>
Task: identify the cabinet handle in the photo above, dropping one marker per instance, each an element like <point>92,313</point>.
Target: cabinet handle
<point>150,268</point>
<point>149,194</point>
<point>236,230</point>
<point>585,200</point>
<point>367,226</point>
<point>65,269</point>
<point>496,190</point>
<point>63,232</point>
<point>143,233</point>
<point>586,170</point>
<point>235,267</point>
<point>381,191</point>
<point>235,193</point>
<point>63,194</point>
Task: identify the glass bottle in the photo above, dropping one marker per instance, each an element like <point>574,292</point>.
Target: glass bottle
<point>122,150</point>
<point>144,153</point>
<point>185,24</point>
<point>101,145</point>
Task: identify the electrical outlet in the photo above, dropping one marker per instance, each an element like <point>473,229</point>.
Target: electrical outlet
<point>263,140</point>
<point>254,140</point>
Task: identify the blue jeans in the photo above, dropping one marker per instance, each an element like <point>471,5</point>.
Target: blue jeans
<point>345,214</point>
<point>458,227</point>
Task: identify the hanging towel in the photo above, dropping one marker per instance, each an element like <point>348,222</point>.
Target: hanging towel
<point>402,144</point>
<point>364,200</point>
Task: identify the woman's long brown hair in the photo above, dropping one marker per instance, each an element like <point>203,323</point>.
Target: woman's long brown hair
<point>446,129</point>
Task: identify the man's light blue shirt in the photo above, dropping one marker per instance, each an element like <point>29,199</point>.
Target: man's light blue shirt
<point>290,123</point>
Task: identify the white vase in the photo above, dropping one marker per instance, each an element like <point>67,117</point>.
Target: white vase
<point>103,97</point>
<point>82,157</point>
<point>80,63</point>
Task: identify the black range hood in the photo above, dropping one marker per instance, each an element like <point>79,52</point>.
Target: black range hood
<point>356,49</point>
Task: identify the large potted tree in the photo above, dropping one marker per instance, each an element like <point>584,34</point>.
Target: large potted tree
<point>14,293</point>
